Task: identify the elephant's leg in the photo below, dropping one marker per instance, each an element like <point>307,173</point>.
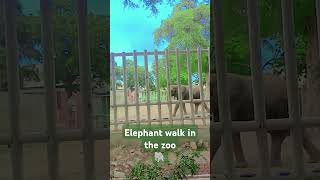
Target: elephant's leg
<point>277,138</point>
<point>216,144</point>
<point>311,149</point>
<point>175,110</point>
<point>184,108</point>
<point>206,107</point>
<point>238,151</point>
<point>196,107</point>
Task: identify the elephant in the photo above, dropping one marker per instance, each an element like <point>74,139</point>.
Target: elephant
<point>185,96</point>
<point>240,91</point>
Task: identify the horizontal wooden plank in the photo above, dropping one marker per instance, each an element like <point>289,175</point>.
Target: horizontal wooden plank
<point>152,53</point>
<point>156,103</point>
<point>271,124</point>
<point>62,135</point>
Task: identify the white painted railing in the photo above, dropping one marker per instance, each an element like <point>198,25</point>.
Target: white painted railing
<point>164,115</point>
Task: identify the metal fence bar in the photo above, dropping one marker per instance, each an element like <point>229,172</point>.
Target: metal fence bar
<point>201,85</point>
<point>114,88</point>
<point>179,85</point>
<point>50,88</point>
<point>156,61</point>
<point>147,84</point>
<point>258,92</point>
<point>208,78</point>
<point>224,104</point>
<point>61,136</point>
<point>271,124</point>
<point>156,103</point>
<point>13,88</point>
<point>159,52</point>
<point>136,82</point>
<point>168,84</point>
<point>125,86</point>
<point>85,89</point>
<point>190,87</point>
<point>155,97</point>
<point>292,84</point>
<point>318,21</point>
<point>157,120</point>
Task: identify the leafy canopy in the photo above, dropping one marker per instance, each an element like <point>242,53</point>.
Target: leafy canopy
<point>187,27</point>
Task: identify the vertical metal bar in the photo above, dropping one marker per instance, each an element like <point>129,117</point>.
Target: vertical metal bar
<point>158,85</point>
<point>318,22</point>
<point>209,70</point>
<point>190,86</point>
<point>201,85</point>
<point>168,85</point>
<point>258,92</point>
<point>147,84</point>
<point>50,88</point>
<point>125,86</point>
<point>85,90</point>
<point>114,91</point>
<point>179,86</point>
<point>224,103</point>
<point>13,88</point>
<point>292,84</point>
<point>136,82</point>
<point>105,109</point>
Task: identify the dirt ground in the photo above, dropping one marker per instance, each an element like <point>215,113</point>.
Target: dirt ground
<point>125,153</point>
<point>125,156</point>
<point>71,161</point>
<point>250,147</point>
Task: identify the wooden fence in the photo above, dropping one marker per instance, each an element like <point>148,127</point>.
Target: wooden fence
<point>156,106</point>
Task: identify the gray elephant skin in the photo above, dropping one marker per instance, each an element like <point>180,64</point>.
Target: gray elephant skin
<point>240,91</point>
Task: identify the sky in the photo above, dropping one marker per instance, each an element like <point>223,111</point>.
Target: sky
<point>132,29</point>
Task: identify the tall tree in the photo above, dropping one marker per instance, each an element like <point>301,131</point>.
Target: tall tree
<point>65,41</point>
<point>187,27</point>
<point>130,75</point>
<point>235,25</point>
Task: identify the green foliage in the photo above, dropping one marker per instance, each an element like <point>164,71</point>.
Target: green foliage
<point>147,4</point>
<point>187,27</point>
<point>173,71</point>
<point>184,29</point>
<point>235,28</point>
<point>278,66</point>
<point>142,171</point>
<point>237,55</point>
<point>236,21</point>
<point>66,41</point>
<point>186,165</point>
<point>130,75</point>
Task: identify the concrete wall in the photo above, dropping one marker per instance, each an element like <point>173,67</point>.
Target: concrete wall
<point>32,112</point>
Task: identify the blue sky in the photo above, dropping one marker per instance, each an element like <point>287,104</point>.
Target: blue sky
<point>132,29</point>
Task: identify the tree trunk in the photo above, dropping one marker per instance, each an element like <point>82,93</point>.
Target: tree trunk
<point>311,104</point>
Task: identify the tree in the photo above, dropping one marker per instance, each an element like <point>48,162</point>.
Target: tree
<point>130,75</point>
<point>65,42</point>
<point>235,25</point>
<point>187,27</point>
